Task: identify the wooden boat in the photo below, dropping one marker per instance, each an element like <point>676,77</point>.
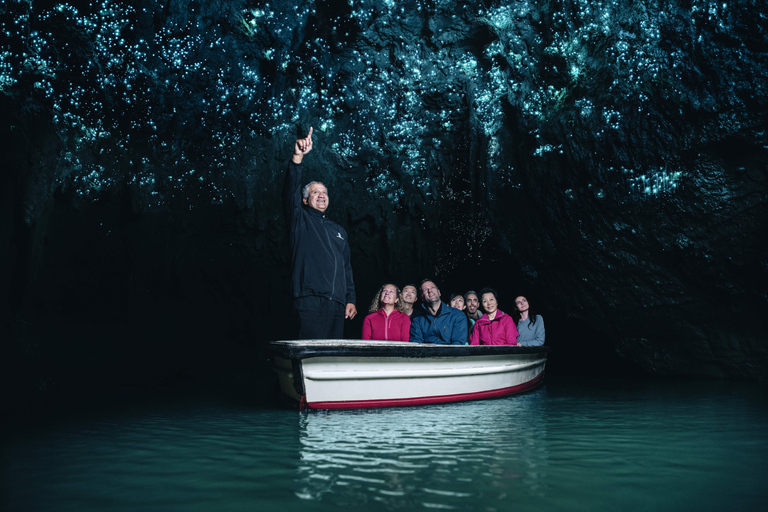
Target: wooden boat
<point>348,374</point>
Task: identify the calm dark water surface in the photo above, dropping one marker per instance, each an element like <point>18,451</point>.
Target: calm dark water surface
<point>569,445</point>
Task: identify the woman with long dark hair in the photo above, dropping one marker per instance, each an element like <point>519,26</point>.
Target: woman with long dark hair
<point>530,326</point>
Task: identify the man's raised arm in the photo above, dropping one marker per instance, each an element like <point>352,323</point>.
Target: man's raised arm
<point>292,185</point>
<point>302,147</point>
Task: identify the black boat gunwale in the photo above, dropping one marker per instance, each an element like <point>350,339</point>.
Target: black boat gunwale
<point>294,349</point>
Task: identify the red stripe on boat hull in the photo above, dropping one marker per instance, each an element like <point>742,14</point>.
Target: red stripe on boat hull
<point>425,400</point>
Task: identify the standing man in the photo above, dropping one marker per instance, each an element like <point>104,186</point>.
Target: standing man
<point>323,289</point>
<point>439,323</point>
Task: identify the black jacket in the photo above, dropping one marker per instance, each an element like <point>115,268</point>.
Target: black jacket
<point>320,255</point>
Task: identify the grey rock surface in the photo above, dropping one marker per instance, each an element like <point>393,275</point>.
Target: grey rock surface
<point>611,155</point>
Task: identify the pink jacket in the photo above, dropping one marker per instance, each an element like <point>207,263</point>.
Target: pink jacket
<point>499,331</point>
<point>396,327</point>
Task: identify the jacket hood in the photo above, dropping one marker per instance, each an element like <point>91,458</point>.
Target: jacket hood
<point>381,312</point>
<point>440,311</point>
<point>312,211</point>
<point>485,319</point>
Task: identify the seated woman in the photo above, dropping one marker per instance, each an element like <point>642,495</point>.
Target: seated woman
<point>457,301</point>
<point>495,327</point>
<point>386,320</point>
<point>530,326</point>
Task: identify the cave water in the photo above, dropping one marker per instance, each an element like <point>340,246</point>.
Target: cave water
<point>608,159</point>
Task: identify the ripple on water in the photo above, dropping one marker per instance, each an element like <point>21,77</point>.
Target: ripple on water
<point>566,446</point>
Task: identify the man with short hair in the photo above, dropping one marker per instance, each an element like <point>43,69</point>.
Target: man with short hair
<point>439,323</point>
<point>323,289</point>
<point>472,302</point>
<point>409,298</point>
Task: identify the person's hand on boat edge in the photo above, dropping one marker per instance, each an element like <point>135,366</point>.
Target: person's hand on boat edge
<point>350,312</point>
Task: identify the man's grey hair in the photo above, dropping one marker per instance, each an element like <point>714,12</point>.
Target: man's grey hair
<point>305,190</point>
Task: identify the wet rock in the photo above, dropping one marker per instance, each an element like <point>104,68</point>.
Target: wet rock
<point>610,156</point>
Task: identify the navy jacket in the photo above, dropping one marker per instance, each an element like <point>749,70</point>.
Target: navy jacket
<point>320,255</point>
<point>448,327</point>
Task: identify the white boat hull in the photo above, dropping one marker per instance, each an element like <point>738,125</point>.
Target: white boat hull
<point>341,374</point>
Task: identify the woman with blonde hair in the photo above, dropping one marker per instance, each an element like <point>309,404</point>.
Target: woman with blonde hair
<point>386,320</point>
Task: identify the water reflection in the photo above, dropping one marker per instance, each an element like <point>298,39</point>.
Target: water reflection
<point>443,456</point>
<point>577,445</point>
<point>163,457</point>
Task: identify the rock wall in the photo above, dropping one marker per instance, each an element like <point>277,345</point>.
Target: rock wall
<point>610,156</point>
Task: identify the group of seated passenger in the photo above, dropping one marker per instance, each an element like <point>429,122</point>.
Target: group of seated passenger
<point>396,316</point>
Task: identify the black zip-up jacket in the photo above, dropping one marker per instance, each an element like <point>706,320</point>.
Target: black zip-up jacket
<point>320,255</point>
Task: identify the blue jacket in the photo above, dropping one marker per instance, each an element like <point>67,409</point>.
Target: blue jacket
<point>448,327</point>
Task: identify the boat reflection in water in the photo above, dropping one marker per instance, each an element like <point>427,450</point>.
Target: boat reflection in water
<point>444,456</point>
